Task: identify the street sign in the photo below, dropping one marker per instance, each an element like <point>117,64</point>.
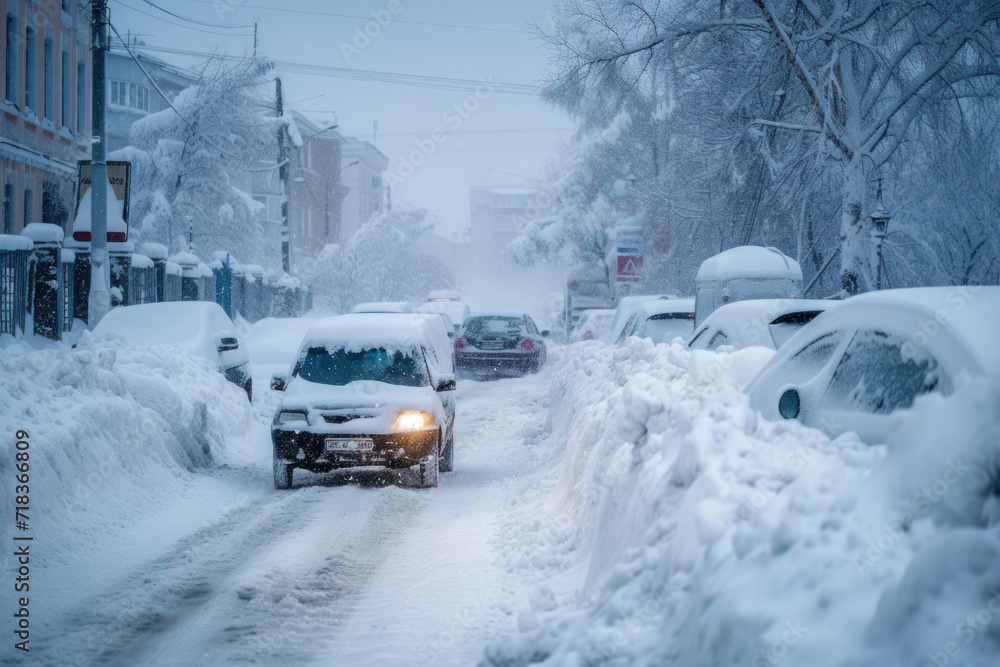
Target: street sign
<point>628,249</point>
<point>119,177</point>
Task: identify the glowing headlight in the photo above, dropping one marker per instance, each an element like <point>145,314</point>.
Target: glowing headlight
<point>292,417</point>
<point>412,420</point>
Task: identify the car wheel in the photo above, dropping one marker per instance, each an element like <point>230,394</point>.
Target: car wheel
<point>282,474</point>
<point>447,460</point>
<point>248,387</point>
<point>427,470</point>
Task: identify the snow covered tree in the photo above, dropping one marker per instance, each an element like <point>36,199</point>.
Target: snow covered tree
<point>380,262</point>
<point>188,165</point>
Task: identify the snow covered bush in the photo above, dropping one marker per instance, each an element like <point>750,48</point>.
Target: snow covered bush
<point>696,533</point>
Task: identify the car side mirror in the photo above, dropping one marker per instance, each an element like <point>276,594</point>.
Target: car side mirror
<point>279,381</point>
<point>789,404</point>
<point>545,333</point>
<point>446,384</point>
<point>226,342</point>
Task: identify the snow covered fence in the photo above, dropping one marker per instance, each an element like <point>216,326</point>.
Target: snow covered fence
<point>729,539</point>
<point>15,254</point>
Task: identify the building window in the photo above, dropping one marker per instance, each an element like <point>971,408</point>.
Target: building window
<point>64,91</point>
<point>81,98</point>
<point>129,96</point>
<point>50,78</point>
<point>29,68</point>
<point>29,196</point>
<point>8,208</point>
<point>10,89</point>
<point>54,209</point>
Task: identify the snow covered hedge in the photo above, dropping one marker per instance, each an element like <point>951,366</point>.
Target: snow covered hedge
<point>115,432</point>
<point>712,537</point>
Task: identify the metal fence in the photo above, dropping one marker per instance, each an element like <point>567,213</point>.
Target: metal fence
<point>248,292</point>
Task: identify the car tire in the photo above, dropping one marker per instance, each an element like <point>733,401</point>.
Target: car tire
<point>248,387</point>
<point>282,474</point>
<point>447,460</point>
<point>427,470</point>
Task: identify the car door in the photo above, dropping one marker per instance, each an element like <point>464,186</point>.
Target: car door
<point>536,338</point>
<point>873,379</point>
<point>447,398</point>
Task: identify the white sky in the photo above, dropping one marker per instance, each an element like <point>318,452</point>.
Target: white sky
<point>303,31</point>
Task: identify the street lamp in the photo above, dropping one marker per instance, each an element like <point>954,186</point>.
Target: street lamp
<point>326,199</point>
<point>879,224</point>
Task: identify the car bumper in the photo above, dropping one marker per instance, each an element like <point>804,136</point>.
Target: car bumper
<point>396,450</point>
<point>495,362</point>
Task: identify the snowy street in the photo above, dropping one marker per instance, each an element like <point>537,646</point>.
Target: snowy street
<point>344,568</point>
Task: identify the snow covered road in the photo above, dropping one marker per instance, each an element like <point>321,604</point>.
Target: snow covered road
<point>345,568</point>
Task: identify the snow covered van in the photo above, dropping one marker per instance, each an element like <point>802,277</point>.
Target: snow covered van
<point>746,272</point>
<point>367,390</point>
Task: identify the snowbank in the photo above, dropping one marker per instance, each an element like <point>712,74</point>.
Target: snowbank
<point>700,534</point>
<point>115,433</point>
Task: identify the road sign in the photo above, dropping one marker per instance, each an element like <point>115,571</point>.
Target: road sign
<point>119,177</point>
<point>628,249</point>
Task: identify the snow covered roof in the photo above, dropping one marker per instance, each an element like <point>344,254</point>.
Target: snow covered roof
<point>43,232</point>
<point>749,262</point>
<point>11,242</point>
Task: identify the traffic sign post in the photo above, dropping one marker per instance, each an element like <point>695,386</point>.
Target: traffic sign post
<point>119,173</point>
<point>628,248</point>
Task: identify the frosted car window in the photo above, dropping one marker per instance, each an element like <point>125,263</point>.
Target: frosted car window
<point>873,376</point>
<point>532,329</point>
<point>808,361</point>
<point>664,327</point>
<point>717,340</point>
<point>341,367</point>
<point>785,326</point>
<point>493,324</point>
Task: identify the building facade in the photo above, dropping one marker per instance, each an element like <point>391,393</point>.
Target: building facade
<point>362,168</point>
<point>130,95</point>
<point>46,122</point>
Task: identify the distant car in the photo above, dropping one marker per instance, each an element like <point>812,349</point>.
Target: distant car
<point>764,322</point>
<point>660,320</point>
<point>455,309</point>
<point>367,390</point>
<point>627,306</point>
<point>382,307</point>
<point>593,324</point>
<point>500,343</point>
<point>201,327</point>
<point>857,363</point>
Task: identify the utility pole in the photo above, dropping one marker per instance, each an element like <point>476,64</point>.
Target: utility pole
<point>283,177</point>
<point>99,302</point>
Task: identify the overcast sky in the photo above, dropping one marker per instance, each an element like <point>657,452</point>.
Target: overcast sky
<point>493,41</point>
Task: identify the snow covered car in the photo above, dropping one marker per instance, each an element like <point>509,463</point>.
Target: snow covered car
<point>455,309</point>
<point>764,322</point>
<point>660,320</point>
<point>366,390</point>
<point>627,306</point>
<point>201,327</point>
<point>500,343</point>
<point>854,365</point>
<point>382,307</point>
<point>593,324</point>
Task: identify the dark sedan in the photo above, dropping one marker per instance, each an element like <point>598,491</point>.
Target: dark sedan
<point>500,343</point>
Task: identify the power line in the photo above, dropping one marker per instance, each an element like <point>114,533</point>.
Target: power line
<point>179,25</point>
<point>285,10</point>
<point>195,21</point>
<point>417,80</point>
<point>422,133</point>
<point>159,92</point>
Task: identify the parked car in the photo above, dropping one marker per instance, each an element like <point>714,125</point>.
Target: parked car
<point>367,390</point>
<point>857,363</point>
<point>764,322</point>
<point>500,343</point>
<point>742,273</point>
<point>453,309</point>
<point>593,324</point>
<point>382,307</point>
<point>201,327</point>
<point>627,306</point>
<point>660,320</point>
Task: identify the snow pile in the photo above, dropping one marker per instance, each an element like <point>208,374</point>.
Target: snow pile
<point>115,433</point>
<point>713,537</point>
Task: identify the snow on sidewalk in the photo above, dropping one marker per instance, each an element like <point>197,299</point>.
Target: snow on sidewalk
<point>685,530</point>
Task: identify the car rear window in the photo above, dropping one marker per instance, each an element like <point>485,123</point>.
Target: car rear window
<point>493,324</point>
<point>340,367</point>
<point>664,327</point>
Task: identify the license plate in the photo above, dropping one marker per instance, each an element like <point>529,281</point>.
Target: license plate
<point>491,345</point>
<point>349,444</point>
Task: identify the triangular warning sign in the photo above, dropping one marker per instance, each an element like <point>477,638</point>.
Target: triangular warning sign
<point>630,267</point>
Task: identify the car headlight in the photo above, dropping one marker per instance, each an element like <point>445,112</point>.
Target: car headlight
<point>287,416</point>
<point>412,420</point>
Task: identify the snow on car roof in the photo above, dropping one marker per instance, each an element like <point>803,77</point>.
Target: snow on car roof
<point>495,313</point>
<point>381,307</point>
<point>740,311</point>
<point>749,262</point>
<point>190,324</point>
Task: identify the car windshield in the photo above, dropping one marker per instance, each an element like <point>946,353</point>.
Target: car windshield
<point>340,367</point>
<point>493,324</point>
<point>664,327</point>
